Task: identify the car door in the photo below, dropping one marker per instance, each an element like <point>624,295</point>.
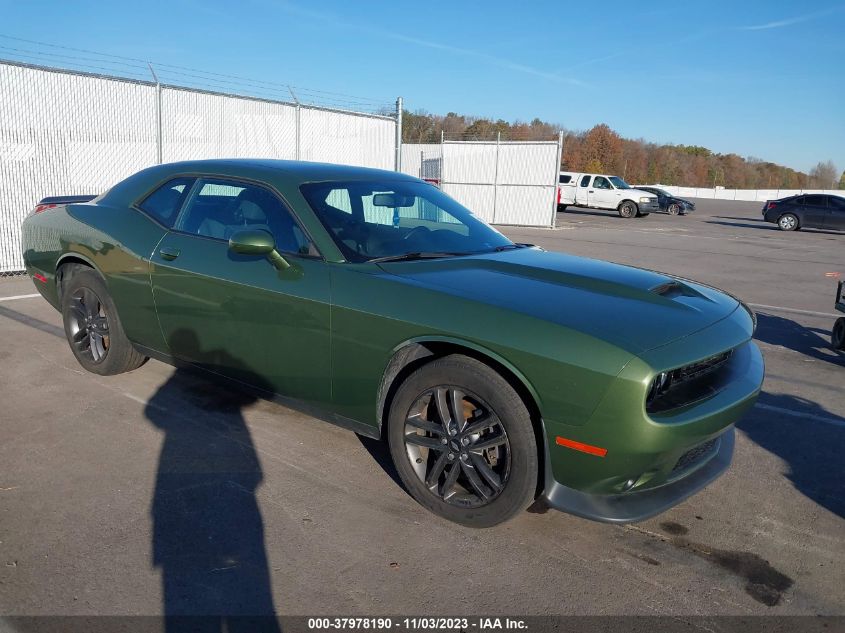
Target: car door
<point>582,195</point>
<point>835,218</point>
<point>603,195</point>
<point>239,315</point>
<point>814,211</point>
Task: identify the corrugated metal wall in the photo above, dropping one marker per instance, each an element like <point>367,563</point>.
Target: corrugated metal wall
<point>64,133</point>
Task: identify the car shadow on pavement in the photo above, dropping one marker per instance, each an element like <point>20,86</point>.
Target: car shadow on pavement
<point>768,226</point>
<point>208,532</point>
<point>731,217</point>
<point>811,342</point>
<point>809,439</point>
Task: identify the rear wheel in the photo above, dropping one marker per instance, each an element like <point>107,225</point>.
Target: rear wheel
<point>837,337</point>
<point>561,207</point>
<point>92,326</point>
<point>628,209</point>
<point>788,222</point>
<point>463,443</point>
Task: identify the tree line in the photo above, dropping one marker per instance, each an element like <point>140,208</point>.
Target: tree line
<point>603,150</point>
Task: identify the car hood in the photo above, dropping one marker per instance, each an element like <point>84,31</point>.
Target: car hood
<point>635,309</point>
<point>634,192</point>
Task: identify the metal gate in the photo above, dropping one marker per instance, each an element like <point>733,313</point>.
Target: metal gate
<point>502,182</point>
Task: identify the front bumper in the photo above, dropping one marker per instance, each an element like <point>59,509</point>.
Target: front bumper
<point>640,505</point>
<point>641,466</point>
<point>649,207</point>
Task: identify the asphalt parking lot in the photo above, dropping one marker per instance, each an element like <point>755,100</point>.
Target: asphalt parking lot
<point>82,460</point>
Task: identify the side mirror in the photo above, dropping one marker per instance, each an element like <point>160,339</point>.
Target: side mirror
<point>257,242</point>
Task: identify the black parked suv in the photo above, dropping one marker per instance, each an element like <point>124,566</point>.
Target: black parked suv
<point>668,203</point>
<point>811,211</point>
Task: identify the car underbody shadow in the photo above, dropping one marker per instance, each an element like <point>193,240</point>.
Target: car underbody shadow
<point>380,452</point>
<point>767,226</point>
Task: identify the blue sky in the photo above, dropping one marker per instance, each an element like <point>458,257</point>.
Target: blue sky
<point>764,79</point>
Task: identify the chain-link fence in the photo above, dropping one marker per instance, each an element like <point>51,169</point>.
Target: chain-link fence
<point>69,132</point>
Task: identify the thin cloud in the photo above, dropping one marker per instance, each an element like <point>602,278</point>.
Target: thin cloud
<point>448,48</point>
<point>778,24</point>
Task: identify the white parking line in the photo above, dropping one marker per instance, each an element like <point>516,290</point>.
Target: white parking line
<point>763,306</point>
<point>16,297</point>
<point>800,414</point>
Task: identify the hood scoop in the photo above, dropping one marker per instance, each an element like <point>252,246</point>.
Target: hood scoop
<point>673,289</point>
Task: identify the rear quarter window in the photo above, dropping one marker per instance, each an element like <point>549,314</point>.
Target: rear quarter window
<point>164,203</point>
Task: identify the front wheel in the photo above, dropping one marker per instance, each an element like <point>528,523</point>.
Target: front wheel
<point>837,337</point>
<point>92,327</point>
<point>628,209</point>
<point>788,222</point>
<point>463,443</point>
<point>674,208</point>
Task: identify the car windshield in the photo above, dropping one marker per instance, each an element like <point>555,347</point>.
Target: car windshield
<point>399,220</point>
<point>618,182</point>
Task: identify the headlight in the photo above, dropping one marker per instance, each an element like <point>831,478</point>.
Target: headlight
<point>659,385</point>
<point>646,199</point>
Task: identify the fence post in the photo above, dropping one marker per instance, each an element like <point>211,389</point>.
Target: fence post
<point>158,114</point>
<point>297,154</point>
<point>399,134</point>
<point>556,180</point>
<point>496,177</point>
<point>297,119</point>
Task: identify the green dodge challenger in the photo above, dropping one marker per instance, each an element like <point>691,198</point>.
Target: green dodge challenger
<point>497,372</point>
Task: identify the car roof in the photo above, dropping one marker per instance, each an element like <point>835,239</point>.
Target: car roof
<point>303,171</point>
<point>284,173</point>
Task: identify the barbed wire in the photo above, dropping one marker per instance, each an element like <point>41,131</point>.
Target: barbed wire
<point>183,76</point>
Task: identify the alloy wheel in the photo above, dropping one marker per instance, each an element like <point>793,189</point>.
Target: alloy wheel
<point>457,446</point>
<point>787,222</point>
<point>89,324</point>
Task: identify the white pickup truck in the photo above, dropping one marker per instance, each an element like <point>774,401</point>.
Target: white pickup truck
<point>599,191</point>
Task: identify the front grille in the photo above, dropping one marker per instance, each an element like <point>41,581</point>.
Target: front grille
<point>696,455</point>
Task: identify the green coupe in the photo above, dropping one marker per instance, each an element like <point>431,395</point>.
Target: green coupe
<point>497,372</point>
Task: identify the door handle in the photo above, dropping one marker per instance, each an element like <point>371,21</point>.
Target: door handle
<point>591,191</point>
<point>169,253</point>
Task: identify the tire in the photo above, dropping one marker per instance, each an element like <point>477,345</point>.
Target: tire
<point>837,337</point>
<point>788,222</point>
<point>674,209</point>
<point>92,326</point>
<point>441,469</point>
<point>561,207</point>
<point>628,209</point>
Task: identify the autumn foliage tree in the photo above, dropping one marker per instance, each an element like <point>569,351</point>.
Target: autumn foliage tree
<point>601,149</point>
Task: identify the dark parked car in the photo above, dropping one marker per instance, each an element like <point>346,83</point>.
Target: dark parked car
<point>811,211</point>
<point>668,203</point>
<point>496,371</point>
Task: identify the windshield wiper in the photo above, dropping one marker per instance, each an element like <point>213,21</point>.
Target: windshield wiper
<point>404,257</point>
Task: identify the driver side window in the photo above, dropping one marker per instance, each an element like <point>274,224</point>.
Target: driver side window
<point>602,183</point>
